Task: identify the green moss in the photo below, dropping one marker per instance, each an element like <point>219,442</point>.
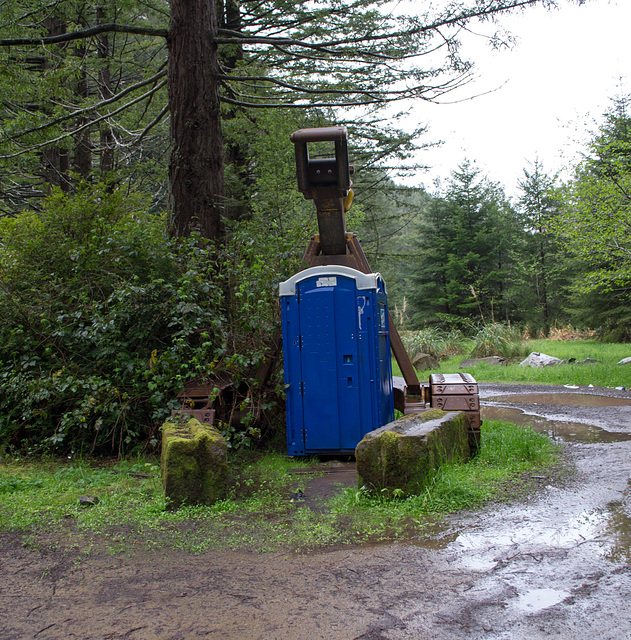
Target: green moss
<point>194,463</point>
<point>402,457</point>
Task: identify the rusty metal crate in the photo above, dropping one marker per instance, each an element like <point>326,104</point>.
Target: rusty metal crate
<point>453,384</point>
<point>456,403</point>
<point>454,392</point>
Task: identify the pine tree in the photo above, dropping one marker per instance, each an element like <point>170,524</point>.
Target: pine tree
<point>596,224</point>
<point>540,277</point>
<point>463,252</point>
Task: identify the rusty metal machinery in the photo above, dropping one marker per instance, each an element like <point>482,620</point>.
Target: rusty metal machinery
<point>327,181</point>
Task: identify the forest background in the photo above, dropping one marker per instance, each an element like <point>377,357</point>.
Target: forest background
<point>149,205</point>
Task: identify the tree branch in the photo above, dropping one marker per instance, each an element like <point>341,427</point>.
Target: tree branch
<point>93,107</point>
<point>69,134</point>
<point>110,27</point>
<point>235,37</point>
<point>153,123</point>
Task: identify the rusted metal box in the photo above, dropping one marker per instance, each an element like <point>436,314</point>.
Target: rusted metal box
<point>454,392</point>
<point>453,384</point>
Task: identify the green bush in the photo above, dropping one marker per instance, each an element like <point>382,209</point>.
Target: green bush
<point>497,339</point>
<point>103,318</point>
<point>433,341</point>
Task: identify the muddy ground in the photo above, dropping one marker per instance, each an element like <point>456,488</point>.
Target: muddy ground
<point>555,565</point>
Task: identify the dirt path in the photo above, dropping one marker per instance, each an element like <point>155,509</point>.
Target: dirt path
<point>556,566</point>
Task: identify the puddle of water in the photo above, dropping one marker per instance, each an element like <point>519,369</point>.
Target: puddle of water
<point>315,492</point>
<point>563,399</point>
<point>538,599</point>
<point>620,526</point>
<point>555,429</point>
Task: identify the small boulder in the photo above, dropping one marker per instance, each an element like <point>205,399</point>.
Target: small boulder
<point>88,501</point>
<point>423,361</point>
<point>194,462</point>
<point>403,454</point>
<point>493,360</point>
<point>536,359</point>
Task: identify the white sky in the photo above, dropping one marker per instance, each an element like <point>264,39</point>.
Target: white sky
<point>552,89</point>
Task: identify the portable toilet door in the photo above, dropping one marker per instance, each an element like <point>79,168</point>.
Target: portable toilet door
<point>333,345</point>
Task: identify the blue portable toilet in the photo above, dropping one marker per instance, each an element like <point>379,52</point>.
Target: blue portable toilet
<point>336,353</point>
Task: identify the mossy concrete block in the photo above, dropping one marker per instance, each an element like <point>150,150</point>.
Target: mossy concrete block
<point>403,454</point>
<point>194,462</point>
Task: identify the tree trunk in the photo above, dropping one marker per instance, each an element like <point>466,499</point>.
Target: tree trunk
<point>196,166</point>
<point>106,135</point>
<point>55,159</point>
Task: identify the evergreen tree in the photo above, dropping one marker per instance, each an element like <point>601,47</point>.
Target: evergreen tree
<point>463,252</point>
<point>540,262</point>
<point>596,225</point>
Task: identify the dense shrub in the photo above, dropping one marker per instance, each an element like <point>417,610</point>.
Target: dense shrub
<point>103,318</point>
<point>431,340</point>
<point>497,339</point>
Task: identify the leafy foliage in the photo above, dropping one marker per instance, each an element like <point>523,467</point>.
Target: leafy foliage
<point>596,225</point>
<point>104,318</point>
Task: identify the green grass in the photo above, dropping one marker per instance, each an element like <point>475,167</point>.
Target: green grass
<point>39,500</point>
<point>607,373</point>
<point>507,453</point>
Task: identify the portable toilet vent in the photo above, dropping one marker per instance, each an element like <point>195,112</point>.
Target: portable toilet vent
<point>336,352</point>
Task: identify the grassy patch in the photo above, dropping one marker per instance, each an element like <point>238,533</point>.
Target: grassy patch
<point>41,499</point>
<point>508,451</point>
<point>606,373</point>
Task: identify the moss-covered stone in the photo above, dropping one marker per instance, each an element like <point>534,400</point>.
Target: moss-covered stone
<point>402,455</point>
<point>194,462</point>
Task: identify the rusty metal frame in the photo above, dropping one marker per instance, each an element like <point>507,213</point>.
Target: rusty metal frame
<point>333,245</point>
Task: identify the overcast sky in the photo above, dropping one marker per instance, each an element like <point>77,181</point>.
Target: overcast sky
<point>550,91</point>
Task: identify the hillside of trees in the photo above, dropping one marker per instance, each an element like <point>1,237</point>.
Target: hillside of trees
<point>148,204</point>
<point>558,253</point>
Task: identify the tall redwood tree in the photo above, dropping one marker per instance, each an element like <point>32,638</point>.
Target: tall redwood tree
<point>196,166</point>
<point>323,55</point>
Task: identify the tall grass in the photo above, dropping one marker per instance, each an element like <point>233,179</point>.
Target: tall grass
<point>497,339</point>
<point>434,342</point>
